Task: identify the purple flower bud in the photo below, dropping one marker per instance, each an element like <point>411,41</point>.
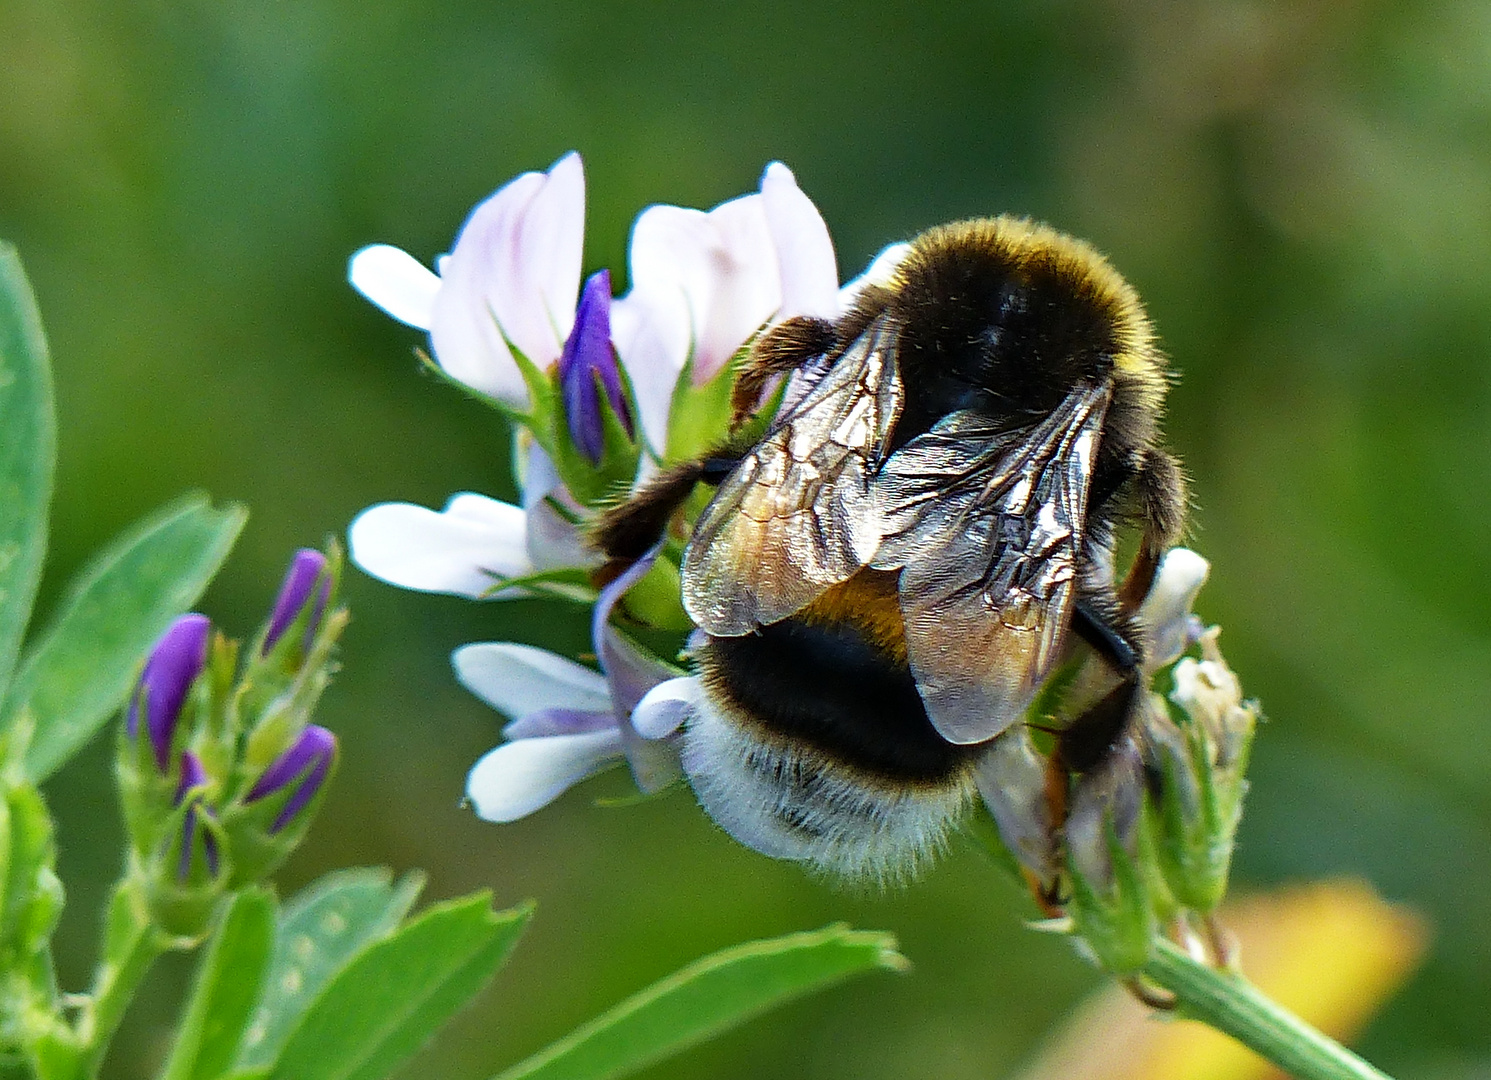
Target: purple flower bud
<point>174,664</point>
<point>310,757</point>
<point>587,354</point>
<point>307,565</point>
<point>193,775</point>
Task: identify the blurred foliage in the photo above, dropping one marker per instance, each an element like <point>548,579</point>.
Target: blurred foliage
<point>1299,191</point>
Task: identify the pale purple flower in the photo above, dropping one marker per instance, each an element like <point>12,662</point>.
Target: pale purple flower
<point>569,721</point>
<point>308,760</point>
<point>1165,615</point>
<point>306,568</point>
<point>174,664</point>
<point>703,284</point>
<point>509,283</point>
<point>1011,774</point>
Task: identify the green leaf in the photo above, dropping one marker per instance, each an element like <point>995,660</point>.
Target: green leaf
<point>395,994</point>
<point>227,986</point>
<point>28,453</point>
<point>320,931</point>
<point>79,673</point>
<point>708,997</point>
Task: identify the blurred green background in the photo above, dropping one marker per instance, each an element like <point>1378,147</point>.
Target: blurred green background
<point>1300,191</point>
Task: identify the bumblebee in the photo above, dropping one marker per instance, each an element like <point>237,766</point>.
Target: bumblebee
<point>886,578</point>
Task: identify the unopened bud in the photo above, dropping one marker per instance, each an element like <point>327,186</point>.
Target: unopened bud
<point>1199,766</point>
<point>1117,895</point>
<point>174,664</point>
<point>307,568</point>
<point>307,761</point>
<point>589,359</point>
<point>273,816</point>
<point>1012,779</point>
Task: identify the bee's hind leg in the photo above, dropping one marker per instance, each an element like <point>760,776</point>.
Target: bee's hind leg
<point>1101,622</point>
<point>625,532</point>
<point>784,348</point>
<point>1160,492</point>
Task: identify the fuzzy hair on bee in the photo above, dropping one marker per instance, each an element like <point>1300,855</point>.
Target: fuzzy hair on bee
<point>885,579</point>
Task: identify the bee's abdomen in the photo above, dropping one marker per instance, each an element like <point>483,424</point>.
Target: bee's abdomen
<point>824,684</point>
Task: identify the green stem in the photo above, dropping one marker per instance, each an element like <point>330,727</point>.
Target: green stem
<point>1234,1006</point>
<point>132,943</point>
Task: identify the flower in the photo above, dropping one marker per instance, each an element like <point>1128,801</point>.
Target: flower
<point>174,664</point>
<point>703,283</point>
<point>306,568</point>
<point>587,366</point>
<point>308,760</point>
<point>569,722</point>
<point>465,549</point>
<point>509,283</point>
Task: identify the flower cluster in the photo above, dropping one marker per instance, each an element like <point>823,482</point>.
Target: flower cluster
<point>220,770</point>
<point>602,391</point>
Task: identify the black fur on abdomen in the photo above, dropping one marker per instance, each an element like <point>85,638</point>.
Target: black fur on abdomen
<point>826,686</point>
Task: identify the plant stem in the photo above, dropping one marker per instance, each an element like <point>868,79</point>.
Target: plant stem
<point>132,943</point>
<point>1228,1002</point>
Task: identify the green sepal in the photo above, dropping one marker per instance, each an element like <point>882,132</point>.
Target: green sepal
<point>561,583</point>
<point>266,675</point>
<point>275,726</point>
<point>545,403</point>
<point>699,416</point>
<point>1118,920</point>
<point>183,907</point>
<point>147,796</point>
<point>1197,813</point>
<point>32,894</point>
<point>657,599</point>
<point>596,483</point>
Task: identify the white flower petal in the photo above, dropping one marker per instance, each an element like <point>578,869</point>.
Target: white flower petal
<point>520,777</point>
<point>880,271</point>
<point>652,333</point>
<point>515,265</point>
<point>396,281</point>
<point>554,540</point>
<point>551,241</point>
<point>1011,777</point>
<point>805,253</point>
<point>521,679</point>
<point>464,332</point>
<point>722,264</point>
<point>665,707</point>
<point>463,550</point>
<point>1165,612</point>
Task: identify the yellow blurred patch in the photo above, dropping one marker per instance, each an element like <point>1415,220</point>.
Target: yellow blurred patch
<point>1332,953</point>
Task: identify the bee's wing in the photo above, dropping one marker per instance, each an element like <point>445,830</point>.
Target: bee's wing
<point>796,515</point>
<point>986,527</point>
